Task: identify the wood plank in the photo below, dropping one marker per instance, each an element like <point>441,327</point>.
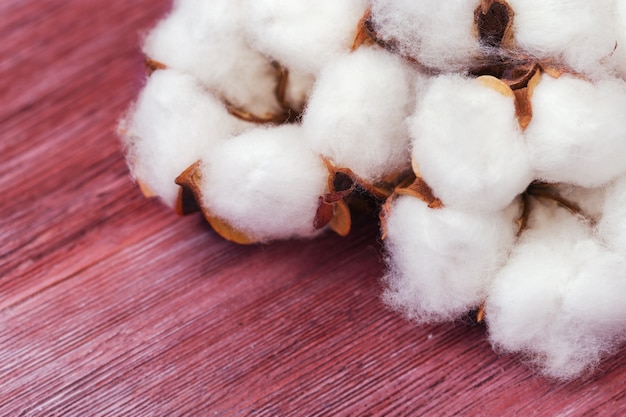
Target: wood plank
<point>60,159</point>
<point>112,305</point>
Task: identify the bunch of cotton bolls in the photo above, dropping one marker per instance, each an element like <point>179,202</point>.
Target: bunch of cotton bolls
<point>489,133</point>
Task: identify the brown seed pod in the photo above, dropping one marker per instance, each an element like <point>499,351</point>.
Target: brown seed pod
<point>494,23</point>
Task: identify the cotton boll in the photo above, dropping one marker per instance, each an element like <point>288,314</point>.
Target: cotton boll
<point>520,306</point>
<point>612,225</point>
<point>439,34</point>
<point>303,36</point>
<point>577,133</point>
<point>265,183</point>
<point>442,260</point>
<point>581,33</point>
<point>206,39</point>
<point>355,116</point>
<point>558,300</point>
<point>172,123</point>
<point>468,145</point>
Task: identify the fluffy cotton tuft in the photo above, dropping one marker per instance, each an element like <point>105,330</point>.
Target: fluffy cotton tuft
<point>579,33</point>
<point>298,89</point>
<point>206,39</point>
<point>355,116</point>
<point>174,121</point>
<point>442,260</point>
<point>303,36</point>
<point>468,145</point>
<point>559,299</point>
<point>438,34</point>
<point>577,133</point>
<point>265,183</point>
<point>591,201</point>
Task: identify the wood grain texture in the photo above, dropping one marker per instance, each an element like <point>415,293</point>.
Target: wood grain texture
<point>112,305</point>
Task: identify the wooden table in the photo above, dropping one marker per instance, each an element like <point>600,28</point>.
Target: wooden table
<point>110,304</point>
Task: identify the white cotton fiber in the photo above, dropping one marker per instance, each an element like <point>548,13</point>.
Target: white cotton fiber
<point>591,201</point>
<point>299,86</point>
<point>468,145</point>
<point>355,116</point>
<point>303,36</point>
<point>559,299</point>
<point>438,34</point>
<point>577,133</point>
<point>618,59</point>
<point>172,123</point>
<point>580,33</point>
<point>612,224</point>
<point>206,39</point>
<point>442,260</point>
<point>265,183</point>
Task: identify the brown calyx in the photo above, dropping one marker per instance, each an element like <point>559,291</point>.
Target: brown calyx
<point>365,34</point>
<point>332,210</point>
<point>189,191</point>
<point>190,201</point>
<point>415,187</point>
<point>420,189</point>
<point>517,82</point>
<point>152,65</point>
<point>349,193</point>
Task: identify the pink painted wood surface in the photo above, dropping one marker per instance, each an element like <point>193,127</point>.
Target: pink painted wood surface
<point>110,304</point>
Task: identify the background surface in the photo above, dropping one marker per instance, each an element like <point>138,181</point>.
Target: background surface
<point>110,304</point>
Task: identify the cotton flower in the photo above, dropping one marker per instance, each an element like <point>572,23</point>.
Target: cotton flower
<point>174,121</point>
<point>355,116</point>
<point>468,146</point>
<point>265,183</point>
<point>577,134</point>
<point>303,36</point>
<point>438,34</point>
<point>579,33</point>
<point>206,40</point>
<point>442,260</point>
<point>558,300</point>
